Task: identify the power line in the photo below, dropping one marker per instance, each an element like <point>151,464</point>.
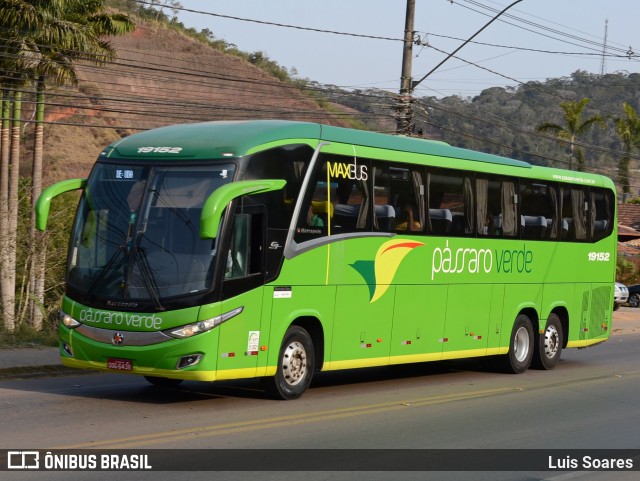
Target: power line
<point>592,44</point>
<point>276,24</point>
<point>160,73</point>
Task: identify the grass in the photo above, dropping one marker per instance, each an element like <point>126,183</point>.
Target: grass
<point>26,336</point>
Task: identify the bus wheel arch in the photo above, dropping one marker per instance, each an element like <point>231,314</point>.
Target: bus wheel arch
<point>296,362</point>
<point>314,327</point>
<point>563,315</point>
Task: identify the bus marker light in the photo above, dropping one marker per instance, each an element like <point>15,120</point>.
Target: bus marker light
<point>228,354</point>
<point>263,348</point>
<point>379,339</point>
<point>405,343</point>
<point>68,321</point>
<point>444,339</point>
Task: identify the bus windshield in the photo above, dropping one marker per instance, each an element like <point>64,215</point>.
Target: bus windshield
<point>136,235</point>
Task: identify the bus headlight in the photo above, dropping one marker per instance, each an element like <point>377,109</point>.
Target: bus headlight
<point>202,326</point>
<point>68,321</point>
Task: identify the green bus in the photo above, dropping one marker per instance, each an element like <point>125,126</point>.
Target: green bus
<point>271,249</point>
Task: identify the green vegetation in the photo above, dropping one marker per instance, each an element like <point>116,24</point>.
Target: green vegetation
<point>503,121</point>
<point>27,336</point>
<point>60,220</point>
<point>41,44</point>
<point>572,129</point>
<point>627,272</point>
<point>158,15</point>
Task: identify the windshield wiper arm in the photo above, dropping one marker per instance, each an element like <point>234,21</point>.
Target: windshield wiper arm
<point>105,270</point>
<point>148,277</point>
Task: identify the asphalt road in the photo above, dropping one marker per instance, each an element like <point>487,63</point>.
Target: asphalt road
<point>591,401</point>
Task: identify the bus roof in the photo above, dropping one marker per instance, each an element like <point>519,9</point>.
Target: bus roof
<point>228,139</point>
<point>233,139</point>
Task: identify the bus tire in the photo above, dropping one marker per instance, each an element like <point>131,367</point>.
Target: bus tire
<point>520,354</point>
<point>296,363</point>
<point>548,347</point>
<point>163,381</point>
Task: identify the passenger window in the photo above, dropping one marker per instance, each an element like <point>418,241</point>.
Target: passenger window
<point>574,214</point>
<point>399,199</point>
<point>539,209</point>
<point>351,212</point>
<point>337,199</point>
<point>602,203</point>
<point>496,208</point>
<point>451,210</point>
<point>384,215</point>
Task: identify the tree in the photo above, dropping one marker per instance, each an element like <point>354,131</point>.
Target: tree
<point>574,127</point>
<point>86,24</point>
<point>46,38</point>
<point>628,129</point>
<point>15,18</point>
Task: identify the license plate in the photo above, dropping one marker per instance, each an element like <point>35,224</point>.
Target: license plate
<point>120,364</point>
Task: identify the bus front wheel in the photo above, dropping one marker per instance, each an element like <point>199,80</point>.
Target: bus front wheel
<point>521,343</point>
<point>549,346</point>
<point>296,363</point>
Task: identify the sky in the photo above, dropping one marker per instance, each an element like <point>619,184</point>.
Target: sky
<point>533,41</point>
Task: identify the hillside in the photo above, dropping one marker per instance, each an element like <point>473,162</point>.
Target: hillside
<point>161,77</point>
<point>503,120</point>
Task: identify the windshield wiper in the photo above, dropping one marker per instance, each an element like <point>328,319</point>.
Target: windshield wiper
<point>148,277</point>
<point>105,270</point>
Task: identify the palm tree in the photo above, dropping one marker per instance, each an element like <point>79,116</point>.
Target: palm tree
<point>15,17</point>
<point>85,24</point>
<point>628,129</point>
<point>43,40</point>
<point>574,127</point>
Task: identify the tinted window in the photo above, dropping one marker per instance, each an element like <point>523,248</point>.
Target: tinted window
<point>451,208</point>
<point>539,210</point>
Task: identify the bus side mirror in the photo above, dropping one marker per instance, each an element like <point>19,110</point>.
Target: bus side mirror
<point>44,201</point>
<point>220,198</point>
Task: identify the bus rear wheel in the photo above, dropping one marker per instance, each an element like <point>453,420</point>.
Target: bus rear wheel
<point>521,343</point>
<point>296,363</point>
<point>548,348</point>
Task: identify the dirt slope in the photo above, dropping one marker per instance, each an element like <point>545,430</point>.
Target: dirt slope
<point>161,77</point>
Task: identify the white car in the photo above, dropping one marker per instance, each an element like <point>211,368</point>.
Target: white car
<point>620,295</point>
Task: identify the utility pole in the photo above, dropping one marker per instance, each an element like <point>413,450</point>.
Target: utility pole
<point>603,64</point>
<point>405,99</point>
<point>407,85</point>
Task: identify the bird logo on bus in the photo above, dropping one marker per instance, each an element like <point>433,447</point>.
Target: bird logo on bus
<point>379,273</point>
